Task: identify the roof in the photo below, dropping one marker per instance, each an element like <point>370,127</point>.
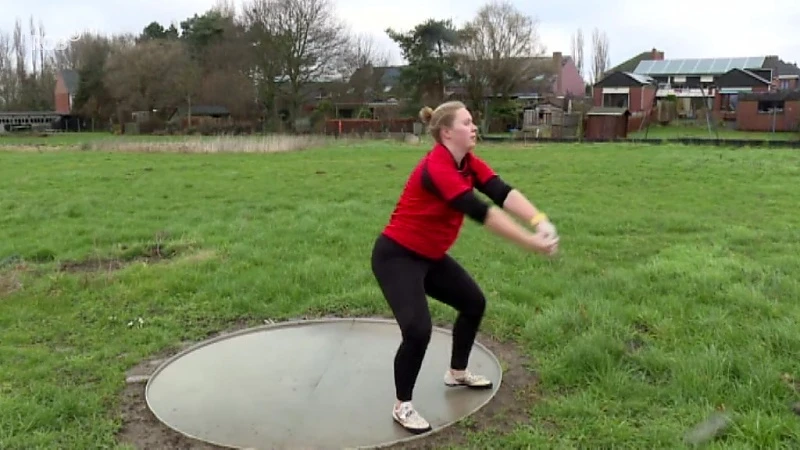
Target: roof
<point>631,64</point>
<point>775,96</point>
<point>607,111</point>
<point>28,113</point>
<point>752,75</point>
<point>643,79</point>
<point>698,66</point>
<point>71,80</point>
<point>781,68</point>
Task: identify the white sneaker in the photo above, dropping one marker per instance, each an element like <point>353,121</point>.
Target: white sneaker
<point>409,418</point>
<point>467,379</point>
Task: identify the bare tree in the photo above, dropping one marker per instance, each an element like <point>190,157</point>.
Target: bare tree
<point>312,43</point>
<point>268,46</point>
<point>361,50</point>
<point>34,48</point>
<point>600,58</point>
<point>19,51</point>
<point>7,76</point>
<point>577,50</point>
<point>225,7</point>
<point>501,45</point>
<point>44,58</point>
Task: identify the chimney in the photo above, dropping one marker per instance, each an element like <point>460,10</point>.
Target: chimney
<point>656,55</point>
<point>557,58</point>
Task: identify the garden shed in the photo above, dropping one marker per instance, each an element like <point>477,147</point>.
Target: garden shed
<point>603,123</point>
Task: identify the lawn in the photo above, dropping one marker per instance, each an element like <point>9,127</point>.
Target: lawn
<point>675,293</point>
<point>678,131</point>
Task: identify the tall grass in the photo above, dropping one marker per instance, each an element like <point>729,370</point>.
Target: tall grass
<point>216,144</point>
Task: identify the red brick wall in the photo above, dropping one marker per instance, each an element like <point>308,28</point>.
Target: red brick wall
<point>792,84</point>
<point>61,96</point>
<point>749,119</point>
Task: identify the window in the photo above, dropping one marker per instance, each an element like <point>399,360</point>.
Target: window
<point>728,102</point>
<point>770,106</point>
<point>615,100</point>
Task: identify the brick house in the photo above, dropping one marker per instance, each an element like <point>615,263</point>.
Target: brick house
<point>65,90</point>
<point>785,76</point>
<point>769,111</point>
<point>732,84</point>
<point>633,92</point>
<point>694,82</point>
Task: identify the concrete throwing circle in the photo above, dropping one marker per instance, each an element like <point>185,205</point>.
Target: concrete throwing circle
<point>308,384</point>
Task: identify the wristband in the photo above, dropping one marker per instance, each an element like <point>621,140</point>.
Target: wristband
<point>538,218</point>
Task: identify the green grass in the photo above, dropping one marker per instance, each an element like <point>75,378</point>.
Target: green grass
<point>677,131</point>
<point>675,292</point>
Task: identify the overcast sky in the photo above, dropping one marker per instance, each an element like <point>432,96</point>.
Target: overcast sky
<point>681,28</point>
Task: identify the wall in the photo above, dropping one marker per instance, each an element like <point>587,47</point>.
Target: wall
<point>749,119</point>
<point>61,96</point>
<point>605,127</point>
<point>571,81</point>
<point>789,84</point>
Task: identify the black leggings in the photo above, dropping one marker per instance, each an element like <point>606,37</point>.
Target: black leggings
<point>405,278</point>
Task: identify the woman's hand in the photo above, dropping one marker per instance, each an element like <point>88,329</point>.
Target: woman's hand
<point>547,228</point>
<point>544,243</point>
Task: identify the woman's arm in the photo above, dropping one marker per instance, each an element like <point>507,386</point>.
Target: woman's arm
<point>517,204</point>
<point>512,200</point>
<point>498,222</point>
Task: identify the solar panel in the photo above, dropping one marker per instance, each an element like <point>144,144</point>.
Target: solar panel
<point>704,66</point>
<point>719,65</point>
<point>643,67</point>
<point>697,66</point>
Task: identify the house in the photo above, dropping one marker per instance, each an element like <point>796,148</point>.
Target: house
<point>370,91</point>
<point>785,76</point>
<point>557,77</point>
<point>730,85</point>
<point>65,90</point>
<point>567,81</point>
<point>693,82</point>
<point>635,93</point>
<point>769,111</point>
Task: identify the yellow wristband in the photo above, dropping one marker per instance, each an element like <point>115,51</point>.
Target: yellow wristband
<point>538,218</point>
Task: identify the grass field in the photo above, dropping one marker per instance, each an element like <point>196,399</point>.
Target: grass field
<point>702,132</point>
<point>675,293</point>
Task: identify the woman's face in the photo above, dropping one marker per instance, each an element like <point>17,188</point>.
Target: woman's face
<point>463,134</point>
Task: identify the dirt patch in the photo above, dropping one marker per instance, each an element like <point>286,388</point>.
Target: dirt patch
<point>151,255</point>
<point>509,407</point>
<point>11,280</point>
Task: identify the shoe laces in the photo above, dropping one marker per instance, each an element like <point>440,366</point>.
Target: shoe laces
<point>406,411</point>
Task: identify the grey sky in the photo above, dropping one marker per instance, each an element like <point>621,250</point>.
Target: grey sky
<point>681,28</point>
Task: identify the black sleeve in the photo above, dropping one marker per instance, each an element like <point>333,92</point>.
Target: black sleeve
<point>471,205</point>
<point>496,189</point>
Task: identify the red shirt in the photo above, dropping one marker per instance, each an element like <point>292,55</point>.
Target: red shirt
<point>422,221</point>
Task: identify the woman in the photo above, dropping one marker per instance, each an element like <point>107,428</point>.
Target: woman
<point>410,260</point>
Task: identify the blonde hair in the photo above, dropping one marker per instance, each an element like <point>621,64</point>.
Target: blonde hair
<point>441,117</point>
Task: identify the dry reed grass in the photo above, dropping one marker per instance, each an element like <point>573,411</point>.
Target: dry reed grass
<point>214,144</point>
